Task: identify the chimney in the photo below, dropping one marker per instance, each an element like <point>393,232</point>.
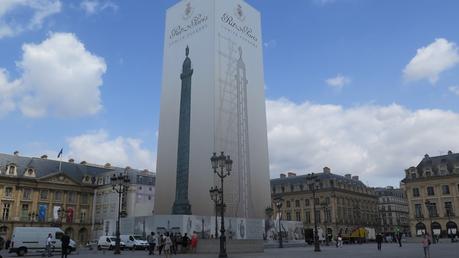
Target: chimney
<point>83,162</point>
<point>348,176</point>
<point>16,153</point>
<point>107,165</point>
<point>44,156</point>
<point>450,152</point>
<point>282,175</point>
<point>71,160</point>
<point>426,156</point>
<point>289,174</point>
<point>356,178</point>
<point>327,170</point>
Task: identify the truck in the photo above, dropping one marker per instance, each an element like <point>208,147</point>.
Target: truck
<point>33,239</point>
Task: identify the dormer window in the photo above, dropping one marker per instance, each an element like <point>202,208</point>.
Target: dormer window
<point>11,170</point>
<point>30,172</point>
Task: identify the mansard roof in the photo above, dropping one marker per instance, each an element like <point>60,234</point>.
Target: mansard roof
<point>301,179</point>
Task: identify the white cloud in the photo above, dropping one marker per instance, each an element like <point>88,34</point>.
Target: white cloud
<point>375,142</point>
<point>39,11</point>
<point>432,60</point>
<point>98,148</point>
<point>454,89</point>
<point>60,77</point>
<point>338,82</point>
<point>95,6</point>
<point>270,44</point>
<point>8,91</point>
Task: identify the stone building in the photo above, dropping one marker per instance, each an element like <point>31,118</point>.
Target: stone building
<point>42,192</point>
<point>432,189</point>
<point>393,210</point>
<point>343,203</point>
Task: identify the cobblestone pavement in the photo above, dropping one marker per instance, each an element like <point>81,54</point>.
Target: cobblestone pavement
<point>409,250</point>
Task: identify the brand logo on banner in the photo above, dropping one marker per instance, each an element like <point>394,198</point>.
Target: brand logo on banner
<point>188,11</point>
<point>239,13</point>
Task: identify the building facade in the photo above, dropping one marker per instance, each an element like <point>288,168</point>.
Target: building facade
<point>42,192</point>
<point>432,189</point>
<point>343,203</point>
<point>393,211</point>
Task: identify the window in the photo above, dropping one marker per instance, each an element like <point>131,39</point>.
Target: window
<point>327,200</point>
<point>289,216</point>
<point>9,192</point>
<point>71,197</point>
<point>445,189</point>
<point>327,215</point>
<point>27,194</point>
<point>25,211</point>
<point>306,202</point>
<point>297,203</point>
<point>418,210</point>
<point>316,201</point>
<point>82,216</point>
<point>274,189</point>
<point>430,191</point>
<point>449,209</point>
<point>6,210</point>
<point>307,217</point>
<point>288,204</point>
<point>84,198</point>
<point>58,196</point>
<point>11,170</point>
<point>283,189</point>
<point>292,188</point>
<point>44,195</point>
<point>298,216</point>
<point>29,172</point>
<point>432,208</point>
<point>317,216</point>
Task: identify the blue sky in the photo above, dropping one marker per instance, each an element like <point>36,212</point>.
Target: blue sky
<point>365,87</point>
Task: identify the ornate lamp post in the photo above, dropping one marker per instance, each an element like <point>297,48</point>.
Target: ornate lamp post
<point>429,210</point>
<point>120,185</point>
<point>222,166</point>
<point>214,195</point>
<point>312,180</point>
<point>278,201</point>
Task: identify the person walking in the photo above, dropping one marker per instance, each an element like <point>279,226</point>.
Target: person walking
<point>151,239</point>
<point>49,241</point>
<point>399,239</point>
<point>160,244</point>
<point>379,240</point>
<point>185,240</point>
<point>167,245</point>
<point>339,243</point>
<point>426,245</point>
<point>65,242</point>
<point>194,242</point>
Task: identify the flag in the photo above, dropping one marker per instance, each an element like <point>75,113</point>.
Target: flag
<point>60,153</point>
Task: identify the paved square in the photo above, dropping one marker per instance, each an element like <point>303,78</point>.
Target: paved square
<point>409,250</point>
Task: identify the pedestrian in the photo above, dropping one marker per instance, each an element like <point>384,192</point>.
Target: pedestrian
<point>185,240</point>
<point>340,241</point>
<point>167,245</point>
<point>65,242</point>
<point>399,239</point>
<point>151,239</point>
<point>161,244</point>
<point>194,242</point>
<point>426,245</point>
<point>49,241</point>
<point>379,240</point>
<point>174,238</point>
<point>7,244</point>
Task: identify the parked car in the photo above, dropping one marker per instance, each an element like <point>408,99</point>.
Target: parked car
<point>27,239</point>
<point>134,242</point>
<point>108,242</point>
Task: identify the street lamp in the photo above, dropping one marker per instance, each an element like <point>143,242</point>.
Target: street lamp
<point>222,166</point>
<point>278,201</point>
<point>120,185</point>
<point>214,194</point>
<point>429,209</point>
<point>325,207</point>
<point>312,180</point>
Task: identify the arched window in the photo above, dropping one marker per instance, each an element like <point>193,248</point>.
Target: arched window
<point>420,229</point>
<point>11,170</point>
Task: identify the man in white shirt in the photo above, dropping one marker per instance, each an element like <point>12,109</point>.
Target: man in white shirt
<point>48,245</point>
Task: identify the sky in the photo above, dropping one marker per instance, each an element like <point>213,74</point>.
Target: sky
<point>363,87</point>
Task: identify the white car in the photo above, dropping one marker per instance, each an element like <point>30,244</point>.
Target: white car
<point>108,242</point>
<point>134,242</point>
<point>28,239</point>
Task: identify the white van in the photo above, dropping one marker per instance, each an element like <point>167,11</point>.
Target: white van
<point>134,242</point>
<point>108,242</point>
<point>29,239</point>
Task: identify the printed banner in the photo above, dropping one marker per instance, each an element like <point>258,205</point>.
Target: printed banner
<point>42,212</point>
<point>56,210</point>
